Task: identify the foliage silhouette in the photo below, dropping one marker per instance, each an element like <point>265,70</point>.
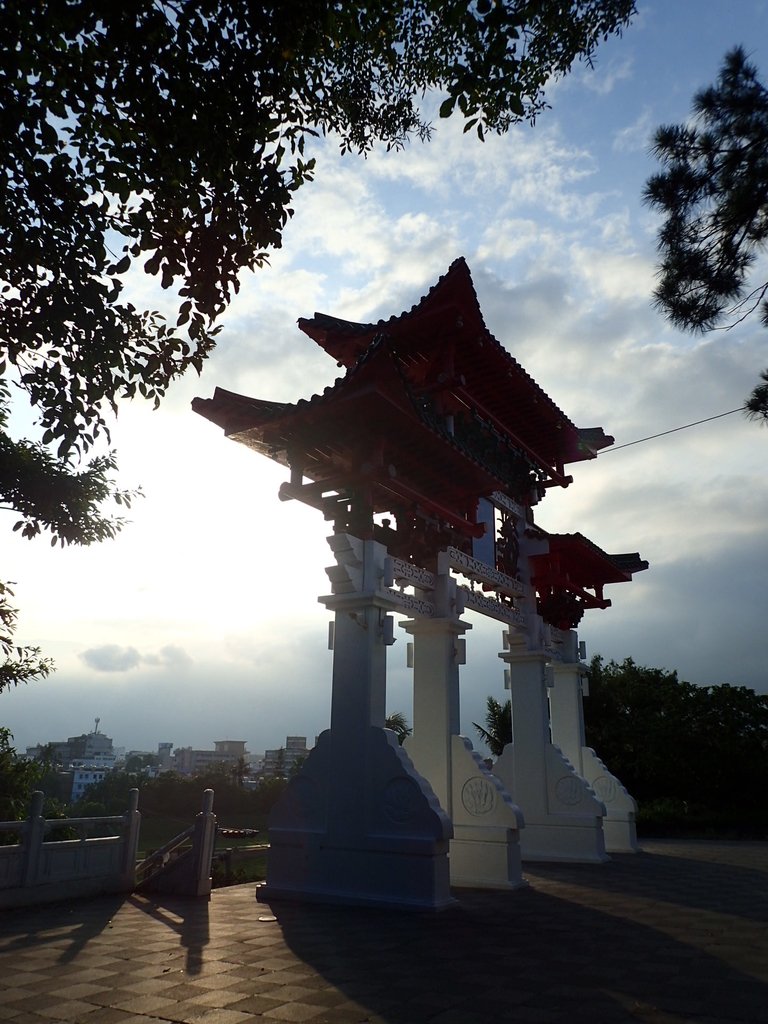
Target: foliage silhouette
<point>398,723</point>
<point>701,751</point>
<point>498,726</point>
<point>713,193</point>
<point>169,139</point>
<point>179,797</point>
<point>18,779</point>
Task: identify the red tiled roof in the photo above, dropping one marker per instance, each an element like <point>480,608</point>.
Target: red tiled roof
<point>574,557</point>
<point>444,341</point>
<point>365,430</point>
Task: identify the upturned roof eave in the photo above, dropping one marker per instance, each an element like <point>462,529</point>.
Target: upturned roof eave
<point>269,427</point>
<point>615,568</point>
<point>345,341</point>
<point>231,411</point>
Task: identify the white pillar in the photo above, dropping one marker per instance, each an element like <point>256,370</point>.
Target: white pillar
<point>358,824</point>
<point>563,817</point>
<point>530,730</point>
<point>435,700</point>
<point>358,701</point>
<point>485,849</point>
<point>567,712</point>
<point>568,733</point>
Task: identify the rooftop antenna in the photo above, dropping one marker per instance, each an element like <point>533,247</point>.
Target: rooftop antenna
<point>97,725</point>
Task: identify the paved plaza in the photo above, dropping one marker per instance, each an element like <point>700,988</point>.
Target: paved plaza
<point>676,933</point>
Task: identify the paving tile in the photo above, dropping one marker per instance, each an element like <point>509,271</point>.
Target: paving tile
<point>670,936</point>
<point>328,998</point>
<point>12,993</point>
<point>28,1002</point>
<point>112,997</point>
<point>24,978</point>
<point>220,998</point>
<point>262,983</point>
<point>214,981</point>
<point>180,991</point>
<point>348,1015</point>
<point>300,975</point>
<point>82,990</point>
<point>278,964</point>
<point>140,1018</point>
<point>144,1004</point>
<point>66,1010</point>
<point>256,1004</point>
<point>144,986</point>
<point>222,1017</point>
<point>212,967</point>
<point>111,1015</point>
<point>293,1012</point>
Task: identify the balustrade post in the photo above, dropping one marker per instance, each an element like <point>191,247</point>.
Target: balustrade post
<point>32,840</point>
<point>203,842</point>
<point>131,826</point>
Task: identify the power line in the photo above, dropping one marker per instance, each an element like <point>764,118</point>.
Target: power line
<point>674,430</point>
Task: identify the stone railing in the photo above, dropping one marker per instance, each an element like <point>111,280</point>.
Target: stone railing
<point>36,871</point>
<point>183,866</point>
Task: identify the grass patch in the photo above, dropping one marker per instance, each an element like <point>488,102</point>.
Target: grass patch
<point>234,859</point>
<point>233,867</point>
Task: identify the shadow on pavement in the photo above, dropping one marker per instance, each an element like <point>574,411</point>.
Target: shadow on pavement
<point>735,889</point>
<point>188,917</point>
<point>75,924</point>
<point>527,955</point>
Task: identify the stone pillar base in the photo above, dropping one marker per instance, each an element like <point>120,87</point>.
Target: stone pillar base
<point>314,871</point>
<point>485,850</point>
<point>555,839</point>
<point>364,834</point>
<point>620,808</point>
<point>620,836</point>
<point>485,858</point>
<point>563,818</point>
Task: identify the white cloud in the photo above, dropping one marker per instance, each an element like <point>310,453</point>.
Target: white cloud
<point>605,76</point>
<point>610,276</point>
<point>170,657</point>
<point>635,137</point>
<point>111,658</point>
<point>114,658</point>
<point>511,237</point>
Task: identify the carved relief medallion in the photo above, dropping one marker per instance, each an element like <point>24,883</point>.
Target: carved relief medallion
<point>569,790</point>
<point>478,795</point>
<point>606,787</point>
<point>401,800</point>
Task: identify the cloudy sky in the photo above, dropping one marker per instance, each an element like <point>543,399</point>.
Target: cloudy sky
<point>201,621</point>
